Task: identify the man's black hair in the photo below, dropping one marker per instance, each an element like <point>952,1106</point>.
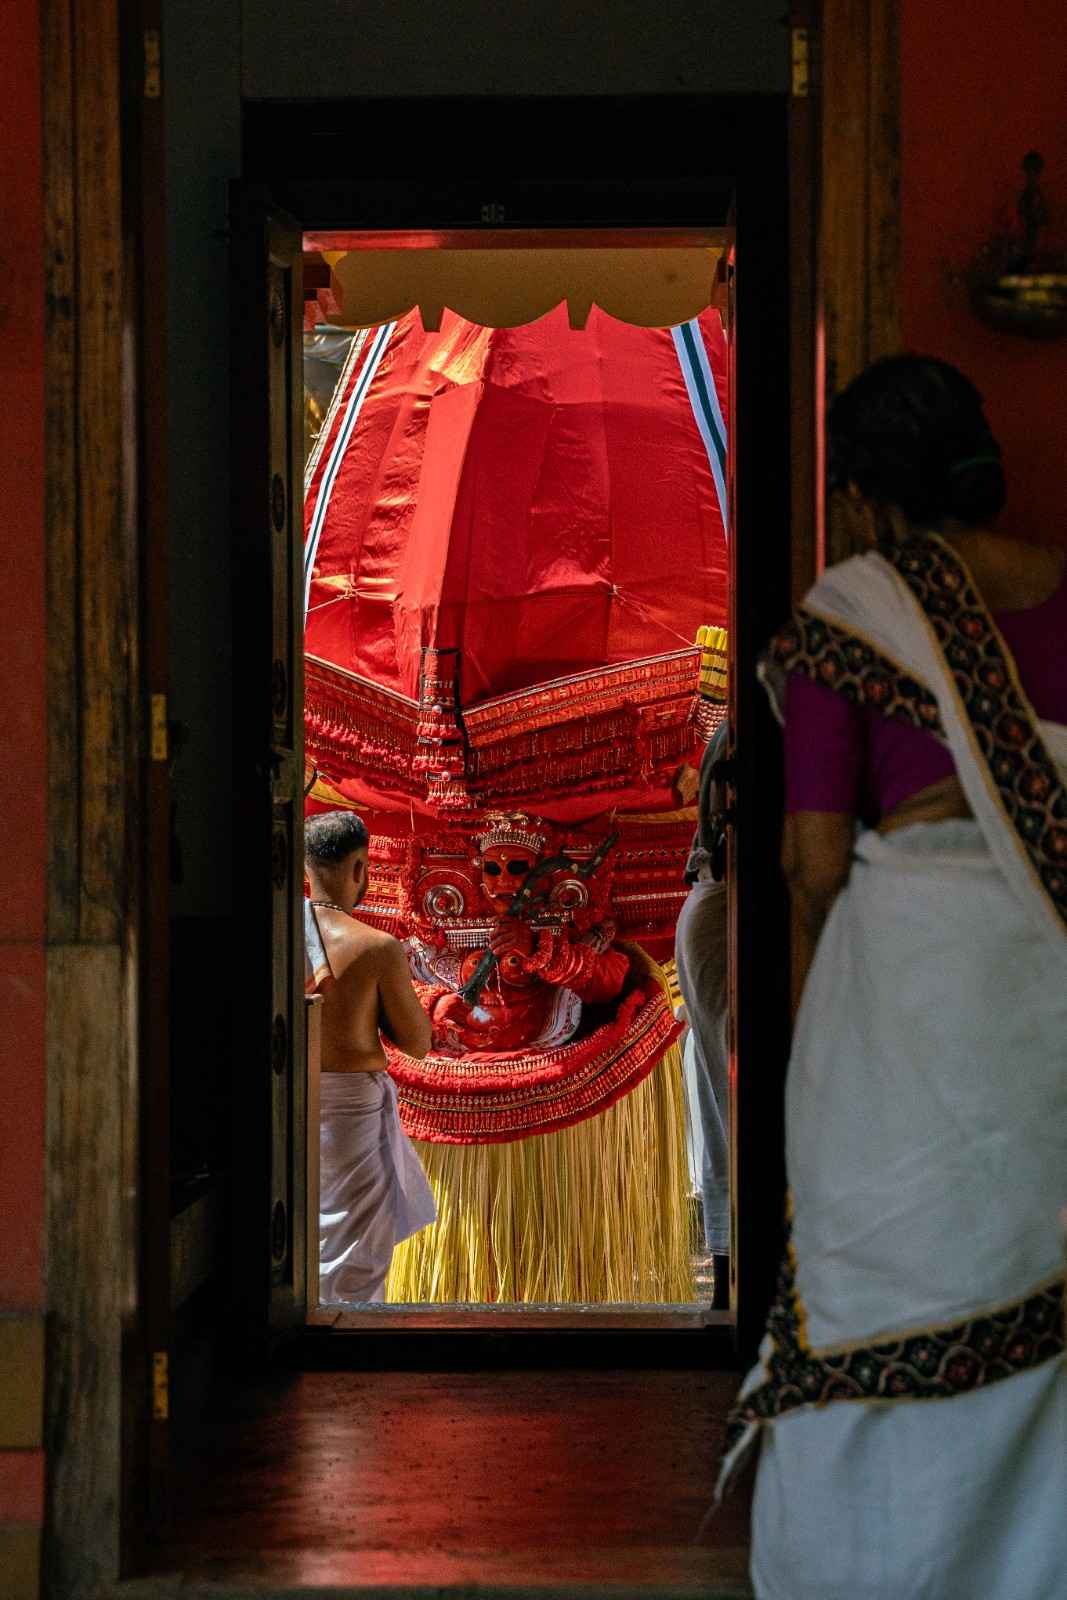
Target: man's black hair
<point>333,836</point>
<point>910,432</point>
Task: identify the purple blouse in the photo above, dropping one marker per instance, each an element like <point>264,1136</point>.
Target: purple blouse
<point>846,758</point>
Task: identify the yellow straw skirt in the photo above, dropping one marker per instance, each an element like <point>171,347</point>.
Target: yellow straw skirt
<point>594,1213</point>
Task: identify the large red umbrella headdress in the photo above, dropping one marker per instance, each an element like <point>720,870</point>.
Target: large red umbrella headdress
<point>513,536</point>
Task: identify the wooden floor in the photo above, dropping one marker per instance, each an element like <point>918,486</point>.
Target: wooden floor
<point>545,1483</point>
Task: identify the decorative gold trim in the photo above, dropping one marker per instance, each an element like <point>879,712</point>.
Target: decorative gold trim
<point>326,794</point>
<point>657,818</point>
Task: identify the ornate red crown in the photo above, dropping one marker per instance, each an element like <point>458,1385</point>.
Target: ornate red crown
<point>511,827</point>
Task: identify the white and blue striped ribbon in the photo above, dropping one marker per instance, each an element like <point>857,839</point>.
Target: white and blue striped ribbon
<point>704,399</point>
<point>337,451</point>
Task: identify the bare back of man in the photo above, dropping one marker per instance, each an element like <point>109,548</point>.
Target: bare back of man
<point>372,994</point>
<point>373,1191</point>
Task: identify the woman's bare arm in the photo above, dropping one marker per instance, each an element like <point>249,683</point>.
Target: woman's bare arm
<point>816,855</point>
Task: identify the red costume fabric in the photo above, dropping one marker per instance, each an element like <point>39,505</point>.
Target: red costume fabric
<point>590,974</point>
<point>516,495</point>
<point>465,1100</point>
<point>513,536</point>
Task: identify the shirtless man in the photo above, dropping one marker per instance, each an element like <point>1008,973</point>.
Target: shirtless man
<point>372,1190</point>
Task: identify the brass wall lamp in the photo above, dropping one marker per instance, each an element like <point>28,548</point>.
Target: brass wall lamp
<point>1015,284</point>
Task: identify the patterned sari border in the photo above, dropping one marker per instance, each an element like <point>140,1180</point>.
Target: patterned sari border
<point>934,1363</point>
<point>1002,725</point>
<point>842,660</point>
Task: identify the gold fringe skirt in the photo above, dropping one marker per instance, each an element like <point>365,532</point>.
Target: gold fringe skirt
<point>594,1213</point>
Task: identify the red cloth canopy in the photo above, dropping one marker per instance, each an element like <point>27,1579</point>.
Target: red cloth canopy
<point>536,499</point>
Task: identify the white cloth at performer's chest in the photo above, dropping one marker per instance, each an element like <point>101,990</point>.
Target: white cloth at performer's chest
<point>700,953</point>
<point>373,1192</point>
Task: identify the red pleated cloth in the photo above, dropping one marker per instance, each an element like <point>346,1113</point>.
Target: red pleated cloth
<point>494,1100</point>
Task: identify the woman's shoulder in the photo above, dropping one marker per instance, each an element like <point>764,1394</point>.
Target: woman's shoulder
<point>1013,574</point>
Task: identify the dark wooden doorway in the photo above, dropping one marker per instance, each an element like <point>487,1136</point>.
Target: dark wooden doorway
<point>97,1083</point>
<point>673,165</point>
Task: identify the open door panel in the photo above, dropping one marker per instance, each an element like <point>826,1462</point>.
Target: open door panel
<point>760,487</point>
<point>270,1186</point>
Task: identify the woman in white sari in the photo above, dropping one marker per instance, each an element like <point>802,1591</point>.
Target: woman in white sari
<point>910,1403</point>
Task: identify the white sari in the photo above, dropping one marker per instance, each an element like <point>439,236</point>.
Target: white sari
<point>911,1398</point>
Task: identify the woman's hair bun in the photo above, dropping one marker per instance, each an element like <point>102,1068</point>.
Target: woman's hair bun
<point>977,490</point>
<point>910,431</point>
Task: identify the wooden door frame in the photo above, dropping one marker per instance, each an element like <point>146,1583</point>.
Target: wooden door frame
<point>845,235</point>
<point>107,1163</point>
<point>96,791</point>
<point>97,806</point>
<point>856,75</point>
<point>267,1222</point>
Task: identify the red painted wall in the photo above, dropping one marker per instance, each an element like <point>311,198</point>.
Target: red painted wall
<point>23,771</point>
<point>22,693</point>
<point>983,83</point>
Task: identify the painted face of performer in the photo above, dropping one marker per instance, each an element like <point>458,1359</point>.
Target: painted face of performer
<point>504,870</point>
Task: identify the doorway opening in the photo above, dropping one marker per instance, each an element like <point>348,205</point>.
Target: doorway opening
<point>265,1264</point>
<point>516,596</point>
<point>274,211</point>
<point>571,1383</point>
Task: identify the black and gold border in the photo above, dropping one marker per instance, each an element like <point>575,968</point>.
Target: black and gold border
<point>933,1363</point>
<point>853,668</point>
<point>1002,726</point>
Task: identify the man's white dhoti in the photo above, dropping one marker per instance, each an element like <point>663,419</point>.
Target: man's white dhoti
<point>372,1190</point>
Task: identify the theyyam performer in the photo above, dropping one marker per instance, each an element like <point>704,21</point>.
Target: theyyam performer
<point>503,681</point>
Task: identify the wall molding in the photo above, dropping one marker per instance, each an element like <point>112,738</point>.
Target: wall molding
<point>859,244</point>
<point>20,1561</point>
<point>21,1381</point>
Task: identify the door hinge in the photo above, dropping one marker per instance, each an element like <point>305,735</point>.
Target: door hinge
<point>160,1386</point>
<point>158,740</point>
<point>153,64</point>
<point>801,59</point>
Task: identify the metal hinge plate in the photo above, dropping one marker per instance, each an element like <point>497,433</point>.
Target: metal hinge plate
<point>158,741</point>
<point>160,1386</point>
<point>801,62</point>
<point>153,64</point>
